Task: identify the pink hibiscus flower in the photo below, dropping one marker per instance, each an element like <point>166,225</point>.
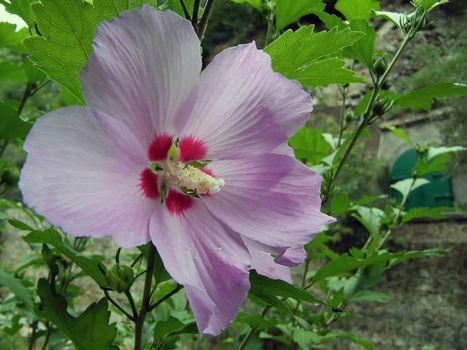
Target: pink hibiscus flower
<point>196,163</point>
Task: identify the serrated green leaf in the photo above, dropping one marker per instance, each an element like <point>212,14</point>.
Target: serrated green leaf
<point>12,72</point>
<point>17,288</point>
<point>314,59</point>
<point>9,37</point>
<point>423,98</point>
<point>11,125</point>
<point>364,49</point>
<point>288,12</point>
<point>89,331</point>
<point>404,186</point>
<point>21,8</point>
<point>309,145</point>
<point>357,9</point>
<point>395,17</point>
<point>68,28</point>
<point>434,213</point>
<point>53,238</point>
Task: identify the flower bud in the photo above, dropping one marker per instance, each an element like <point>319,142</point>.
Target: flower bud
<point>379,66</point>
<point>119,278</point>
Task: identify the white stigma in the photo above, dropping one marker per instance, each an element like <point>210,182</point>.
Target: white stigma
<point>177,174</point>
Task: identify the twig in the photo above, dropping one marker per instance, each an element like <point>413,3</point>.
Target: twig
<point>165,297</point>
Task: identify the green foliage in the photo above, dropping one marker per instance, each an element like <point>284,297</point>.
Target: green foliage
<point>363,49</point>
<point>357,9</point>
<point>309,145</point>
<point>406,186</point>
<point>12,72</point>
<point>11,125</point>
<point>313,58</point>
<point>16,286</point>
<point>257,4</point>
<point>53,238</point>
<point>288,12</point>
<point>423,98</point>
<point>400,133</point>
<point>9,37</point>
<point>88,331</point>
<point>21,8</point>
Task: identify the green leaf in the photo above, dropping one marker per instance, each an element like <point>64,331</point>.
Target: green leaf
<point>309,145</point>
<point>9,37</point>
<point>68,28</point>
<point>363,50</point>
<point>314,59</point>
<point>288,12</point>
<point>357,9</point>
<point>21,8</point>
<point>434,152</point>
<point>423,98</point>
<point>429,5</point>
<point>340,204</point>
<point>11,125</point>
<point>340,265</point>
<point>369,295</point>
<point>17,288</point>
<point>175,5</point>
<point>398,132</point>
<point>434,213</point>
<point>371,218</point>
<point>403,186</point>
<point>306,338</point>
<point>257,4</point>
<point>164,328</point>
<point>266,286</point>
<point>365,344</point>
<point>397,18</point>
<point>88,331</point>
<point>53,238</point>
<point>33,74</point>
<point>12,72</point>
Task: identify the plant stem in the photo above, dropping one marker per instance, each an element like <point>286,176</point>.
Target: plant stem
<point>366,115</point>
<point>201,28</point>
<point>167,296</point>
<point>252,331</point>
<point>194,18</point>
<point>32,338</point>
<point>185,10</point>
<point>342,116</point>
<point>145,303</point>
<point>109,298</point>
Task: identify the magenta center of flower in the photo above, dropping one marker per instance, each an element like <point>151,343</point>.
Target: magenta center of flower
<point>177,173</point>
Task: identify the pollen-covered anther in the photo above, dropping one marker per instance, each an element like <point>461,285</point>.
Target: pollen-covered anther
<point>191,178</point>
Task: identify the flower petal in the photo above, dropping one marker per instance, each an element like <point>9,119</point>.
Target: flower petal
<point>292,256</point>
<point>243,107</point>
<point>144,66</point>
<point>82,173</point>
<point>263,262</point>
<point>210,261</point>
<point>272,199</point>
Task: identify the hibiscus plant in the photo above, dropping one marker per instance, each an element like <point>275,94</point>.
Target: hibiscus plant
<point>204,176</point>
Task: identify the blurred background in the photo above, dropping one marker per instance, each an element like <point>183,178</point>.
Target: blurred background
<point>426,300</point>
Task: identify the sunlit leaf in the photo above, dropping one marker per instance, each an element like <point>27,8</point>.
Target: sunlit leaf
<point>21,8</point>
<point>363,49</point>
<point>314,59</point>
<point>357,9</point>
<point>398,132</point>
<point>9,37</point>
<point>288,11</point>
<point>409,185</point>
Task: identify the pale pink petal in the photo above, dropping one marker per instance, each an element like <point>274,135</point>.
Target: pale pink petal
<point>209,260</point>
<point>272,199</point>
<point>82,173</point>
<point>292,256</point>
<point>243,107</point>
<point>145,64</point>
<point>263,262</point>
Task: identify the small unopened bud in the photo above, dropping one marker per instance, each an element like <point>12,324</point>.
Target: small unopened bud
<point>379,66</point>
<point>119,278</point>
<point>349,117</point>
